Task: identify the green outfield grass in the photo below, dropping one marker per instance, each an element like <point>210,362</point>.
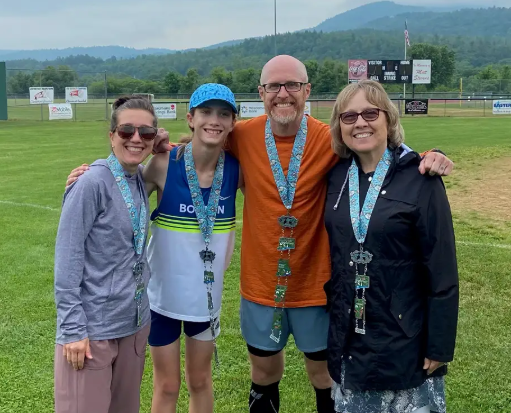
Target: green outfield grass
<point>35,159</point>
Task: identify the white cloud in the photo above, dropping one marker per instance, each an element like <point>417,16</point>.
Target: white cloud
<point>172,24</point>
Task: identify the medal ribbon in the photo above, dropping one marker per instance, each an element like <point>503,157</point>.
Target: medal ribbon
<point>286,186</point>
<point>360,223</point>
<point>206,217</point>
<point>138,223</point>
<point>360,220</point>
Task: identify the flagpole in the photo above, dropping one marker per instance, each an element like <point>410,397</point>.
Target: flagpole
<point>404,84</point>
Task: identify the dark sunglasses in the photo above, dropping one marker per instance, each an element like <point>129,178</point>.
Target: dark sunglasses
<point>147,133</point>
<point>368,115</point>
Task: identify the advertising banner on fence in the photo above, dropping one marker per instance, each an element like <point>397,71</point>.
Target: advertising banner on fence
<point>60,111</point>
<point>502,107</point>
<point>165,110</point>
<point>416,106</point>
<point>76,95</point>
<point>421,73</point>
<point>253,109</point>
<point>357,70</point>
<point>41,95</point>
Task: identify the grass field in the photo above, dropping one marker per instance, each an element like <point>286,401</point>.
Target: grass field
<point>36,157</point>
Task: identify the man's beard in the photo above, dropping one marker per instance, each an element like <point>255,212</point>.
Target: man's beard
<point>284,120</point>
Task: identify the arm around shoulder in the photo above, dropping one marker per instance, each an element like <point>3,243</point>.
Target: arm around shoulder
<point>155,172</point>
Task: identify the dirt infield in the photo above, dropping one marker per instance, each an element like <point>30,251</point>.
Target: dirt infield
<point>485,189</point>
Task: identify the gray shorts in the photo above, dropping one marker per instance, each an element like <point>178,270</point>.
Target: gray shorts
<point>308,325</point>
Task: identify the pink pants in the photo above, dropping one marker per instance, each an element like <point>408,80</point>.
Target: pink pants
<point>109,383</point>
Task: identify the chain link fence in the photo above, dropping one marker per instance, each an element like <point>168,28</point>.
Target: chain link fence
<point>476,99</point>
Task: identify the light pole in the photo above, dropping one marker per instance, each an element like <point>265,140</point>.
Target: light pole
<point>275,20</point>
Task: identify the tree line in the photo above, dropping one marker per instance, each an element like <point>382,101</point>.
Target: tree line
<point>253,53</point>
<point>327,76</point>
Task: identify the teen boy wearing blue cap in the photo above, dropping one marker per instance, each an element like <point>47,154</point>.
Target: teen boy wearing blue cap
<point>193,236</point>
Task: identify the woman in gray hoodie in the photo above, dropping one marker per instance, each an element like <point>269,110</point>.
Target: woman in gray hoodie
<point>101,273</point>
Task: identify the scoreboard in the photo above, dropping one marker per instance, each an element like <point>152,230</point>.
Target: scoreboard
<point>390,71</point>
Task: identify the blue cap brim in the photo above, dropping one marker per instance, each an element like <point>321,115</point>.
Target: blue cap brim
<point>218,101</point>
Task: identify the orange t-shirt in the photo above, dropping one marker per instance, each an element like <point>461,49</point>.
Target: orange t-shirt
<point>310,260</point>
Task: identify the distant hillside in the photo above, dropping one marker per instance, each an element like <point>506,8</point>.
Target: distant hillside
<point>363,16</point>
<point>495,21</point>
<point>253,53</point>
<point>102,52</point>
<point>360,16</point>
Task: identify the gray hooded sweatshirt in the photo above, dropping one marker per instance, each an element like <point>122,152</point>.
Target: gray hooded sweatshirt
<point>94,255</point>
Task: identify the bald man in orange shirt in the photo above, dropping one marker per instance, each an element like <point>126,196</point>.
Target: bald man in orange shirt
<point>285,257</point>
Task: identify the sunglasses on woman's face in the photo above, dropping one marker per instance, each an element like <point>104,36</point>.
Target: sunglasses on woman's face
<point>368,115</point>
<point>147,133</point>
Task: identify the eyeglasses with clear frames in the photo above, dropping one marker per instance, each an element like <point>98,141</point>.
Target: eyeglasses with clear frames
<point>289,86</point>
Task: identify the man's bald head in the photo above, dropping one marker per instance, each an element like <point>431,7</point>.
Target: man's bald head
<point>283,69</point>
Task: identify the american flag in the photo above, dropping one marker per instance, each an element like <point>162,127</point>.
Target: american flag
<point>407,38</point>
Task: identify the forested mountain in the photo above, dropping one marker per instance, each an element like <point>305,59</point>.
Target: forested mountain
<point>492,22</point>
<point>253,53</point>
<point>360,16</point>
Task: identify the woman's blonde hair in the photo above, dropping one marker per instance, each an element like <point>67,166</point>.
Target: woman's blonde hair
<point>377,96</point>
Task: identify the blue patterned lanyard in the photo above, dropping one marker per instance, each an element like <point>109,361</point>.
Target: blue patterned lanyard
<point>206,217</point>
<point>360,222</point>
<point>360,219</point>
<point>286,188</point>
<point>138,221</point>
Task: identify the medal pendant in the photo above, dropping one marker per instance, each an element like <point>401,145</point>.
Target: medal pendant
<point>361,256</point>
<point>207,255</point>
<point>277,320</point>
<point>139,316</point>
<point>286,244</point>
<point>280,293</point>
<point>283,269</point>
<point>138,269</point>
<point>276,326</point>
<point>288,221</point>
<point>275,338</point>
<point>209,277</point>
<point>362,281</point>
<point>210,301</point>
<point>139,292</point>
<point>359,308</point>
<point>360,330</point>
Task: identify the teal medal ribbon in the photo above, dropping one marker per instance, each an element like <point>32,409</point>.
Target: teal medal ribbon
<point>206,217</point>
<point>138,223</point>
<point>360,223</point>
<point>286,187</point>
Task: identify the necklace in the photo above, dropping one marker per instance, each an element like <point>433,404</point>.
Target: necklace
<point>138,223</point>
<point>206,217</point>
<point>286,187</point>
<point>360,223</point>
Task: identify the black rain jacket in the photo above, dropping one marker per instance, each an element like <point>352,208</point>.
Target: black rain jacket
<point>412,301</point>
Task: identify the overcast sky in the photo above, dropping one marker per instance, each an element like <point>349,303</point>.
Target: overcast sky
<point>171,24</point>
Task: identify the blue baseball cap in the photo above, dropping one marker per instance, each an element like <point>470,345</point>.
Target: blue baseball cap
<point>213,91</point>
